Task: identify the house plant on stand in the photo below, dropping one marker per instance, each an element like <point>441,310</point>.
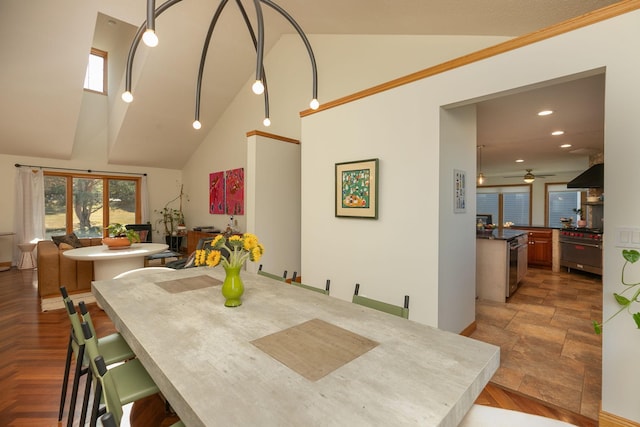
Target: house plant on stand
<point>173,222</point>
<point>238,250</point>
<point>120,236</point>
<point>581,222</point>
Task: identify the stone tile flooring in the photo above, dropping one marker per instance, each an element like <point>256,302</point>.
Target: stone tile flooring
<point>548,349</point>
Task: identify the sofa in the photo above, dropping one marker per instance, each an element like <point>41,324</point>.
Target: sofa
<point>55,270</point>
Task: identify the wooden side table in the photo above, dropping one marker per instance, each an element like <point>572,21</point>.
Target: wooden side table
<point>27,261</point>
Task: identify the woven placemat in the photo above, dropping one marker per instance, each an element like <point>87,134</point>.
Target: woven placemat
<point>189,284</point>
<point>314,348</point>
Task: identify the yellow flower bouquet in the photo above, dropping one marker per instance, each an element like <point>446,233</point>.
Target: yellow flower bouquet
<point>237,250</point>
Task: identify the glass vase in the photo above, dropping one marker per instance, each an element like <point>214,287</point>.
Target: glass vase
<point>232,287</point>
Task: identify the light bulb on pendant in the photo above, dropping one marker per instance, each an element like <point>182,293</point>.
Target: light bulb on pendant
<point>257,87</point>
<point>127,97</point>
<point>150,38</point>
<point>480,178</point>
<point>266,122</point>
<point>314,104</point>
<point>196,124</point>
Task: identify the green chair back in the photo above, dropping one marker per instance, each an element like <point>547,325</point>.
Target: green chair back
<point>396,310</point>
<point>109,390</point>
<point>313,288</point>
<point>282,278</point>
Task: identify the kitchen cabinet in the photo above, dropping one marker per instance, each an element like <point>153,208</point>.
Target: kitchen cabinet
<point>540,250</point>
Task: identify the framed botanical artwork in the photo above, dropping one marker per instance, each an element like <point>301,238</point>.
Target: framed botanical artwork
<point>216,193</point>
<point>459,191</point>
<point>357,189</point>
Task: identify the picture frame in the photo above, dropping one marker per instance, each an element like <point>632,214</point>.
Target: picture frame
<point>356,189</point>
<point>459,191</point>
<point>217,202</point>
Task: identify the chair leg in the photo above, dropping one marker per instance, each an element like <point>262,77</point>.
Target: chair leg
<point>76,384</point>
<point>95,411</point>
<point>85,400</point>
<point>65,379</point>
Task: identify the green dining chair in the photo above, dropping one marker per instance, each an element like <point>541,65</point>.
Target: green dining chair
<point>396,310</point>
<point>282,278</point>
<point>313,288</point>
<point>113,347</point>
<point>128,381</point>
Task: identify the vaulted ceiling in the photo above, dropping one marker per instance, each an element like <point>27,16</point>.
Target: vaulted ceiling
<point>44,47</point>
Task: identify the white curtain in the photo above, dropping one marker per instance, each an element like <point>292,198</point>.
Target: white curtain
<point>29,208</point>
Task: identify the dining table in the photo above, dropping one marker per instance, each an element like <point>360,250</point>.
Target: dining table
<point>108,263</point>
<point>291,357</point>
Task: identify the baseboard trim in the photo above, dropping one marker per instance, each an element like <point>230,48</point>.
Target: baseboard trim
<point>469,329</point>
<point>610,420</point>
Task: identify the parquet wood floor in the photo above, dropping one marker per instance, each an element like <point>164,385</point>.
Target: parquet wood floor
<point>33,350</point>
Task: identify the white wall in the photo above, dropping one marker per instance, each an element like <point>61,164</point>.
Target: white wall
<point>345,64</point>
<point>399,252</point>
<point>457,140</point>
<point>89,152</point>
<point>273,166</point>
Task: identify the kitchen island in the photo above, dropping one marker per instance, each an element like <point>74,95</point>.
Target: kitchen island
<point>501,262</point>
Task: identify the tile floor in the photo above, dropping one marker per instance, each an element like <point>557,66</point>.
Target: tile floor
<point>548,348</point>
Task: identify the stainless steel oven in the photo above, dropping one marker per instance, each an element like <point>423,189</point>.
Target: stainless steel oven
<point>517,262</point>
<point>581,249</point>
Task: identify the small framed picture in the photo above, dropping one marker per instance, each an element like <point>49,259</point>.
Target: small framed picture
<point>357,189</point>
<point>459,191</point>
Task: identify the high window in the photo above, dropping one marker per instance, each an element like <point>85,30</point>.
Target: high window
<point>95,79</point>
<point>508,203</point>
<point>87,204</point>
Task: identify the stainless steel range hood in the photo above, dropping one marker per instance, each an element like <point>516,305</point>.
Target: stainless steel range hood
<point>591,178</point>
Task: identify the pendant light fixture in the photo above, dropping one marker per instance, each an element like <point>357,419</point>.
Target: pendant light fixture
<point>529,177</point>
<point>481,178</point>
<point>259,87</point>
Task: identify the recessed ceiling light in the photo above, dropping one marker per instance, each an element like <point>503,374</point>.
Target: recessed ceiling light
<point>545,112</point>
<point>565,146</point>
<point>557,132</point>
<point>519,160</point>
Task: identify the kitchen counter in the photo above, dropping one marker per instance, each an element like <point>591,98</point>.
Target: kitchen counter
<point>500,234</point>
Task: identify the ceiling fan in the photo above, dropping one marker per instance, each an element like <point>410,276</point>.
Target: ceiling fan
<point>529,177</point>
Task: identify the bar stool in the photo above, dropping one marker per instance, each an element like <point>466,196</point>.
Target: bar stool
<point>27,260</point>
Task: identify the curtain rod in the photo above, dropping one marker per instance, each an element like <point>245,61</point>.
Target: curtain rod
<point>18,165</point>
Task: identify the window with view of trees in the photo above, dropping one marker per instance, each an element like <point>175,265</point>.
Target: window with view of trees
<point>505,203</point>
<point>87,204</point>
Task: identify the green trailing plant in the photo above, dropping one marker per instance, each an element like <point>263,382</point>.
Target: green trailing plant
<point>121,230</point>
<point>631,256</point>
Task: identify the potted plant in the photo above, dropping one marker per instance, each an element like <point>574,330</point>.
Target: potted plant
<point>120,236</point>
<point>171,219</point>
<point>581,222</point>
<point>173,223</point>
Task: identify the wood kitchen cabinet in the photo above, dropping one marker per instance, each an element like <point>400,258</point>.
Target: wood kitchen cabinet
<point>540,250</point>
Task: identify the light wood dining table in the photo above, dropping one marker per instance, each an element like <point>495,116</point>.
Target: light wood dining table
<point>291,357</point>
